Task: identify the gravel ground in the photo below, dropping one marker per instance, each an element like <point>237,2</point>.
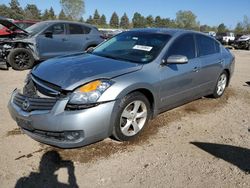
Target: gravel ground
<point>205,143</point>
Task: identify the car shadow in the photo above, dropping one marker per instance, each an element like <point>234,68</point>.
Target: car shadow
<point>50,162</point>
<point>237,156</point>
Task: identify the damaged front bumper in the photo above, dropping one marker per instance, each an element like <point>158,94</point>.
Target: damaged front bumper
<point>61,128</point>
<point>3,64</point>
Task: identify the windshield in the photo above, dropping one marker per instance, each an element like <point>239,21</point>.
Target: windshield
<point>23,25</point>
<point>36,28</point>
<point>139,47</point>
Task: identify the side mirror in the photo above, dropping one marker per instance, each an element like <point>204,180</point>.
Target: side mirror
<point>175,59</point>
<point>48,34</point>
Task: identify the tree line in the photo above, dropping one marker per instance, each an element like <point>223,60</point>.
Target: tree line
<point>31,12</point>
<point>74,9</point>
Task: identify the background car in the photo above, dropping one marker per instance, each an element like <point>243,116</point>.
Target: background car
<point>48,39</point>
<point>79,99</point>
<point>109,33</point>
<point>23,24</point>
<point>243,42</point>
<point>227,38</point>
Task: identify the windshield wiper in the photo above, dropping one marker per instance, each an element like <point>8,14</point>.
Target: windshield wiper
<point>111,57</point>
<point>115,57</point>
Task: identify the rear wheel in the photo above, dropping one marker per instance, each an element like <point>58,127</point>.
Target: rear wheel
<point>90,48</point>
<point>20,59</point>
<point>221,85</point>
<point>133,115</point>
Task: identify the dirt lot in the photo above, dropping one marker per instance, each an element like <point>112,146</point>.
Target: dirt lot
<point>203,144</point>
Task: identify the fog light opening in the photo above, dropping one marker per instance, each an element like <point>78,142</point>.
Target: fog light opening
<point>72,135</point>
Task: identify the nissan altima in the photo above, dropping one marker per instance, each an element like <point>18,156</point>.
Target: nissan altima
<point>114,89</point>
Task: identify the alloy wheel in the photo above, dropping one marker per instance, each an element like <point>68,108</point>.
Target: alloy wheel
<point>221,85</point>
<point>22,60</point>
<point>133,118</point>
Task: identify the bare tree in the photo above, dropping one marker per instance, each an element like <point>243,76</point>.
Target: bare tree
<point>73,8</point>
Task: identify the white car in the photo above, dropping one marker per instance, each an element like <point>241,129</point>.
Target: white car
<point>228,38</point>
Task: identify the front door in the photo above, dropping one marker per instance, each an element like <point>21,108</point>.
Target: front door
<point>53,42</point>
<point>180,82</point>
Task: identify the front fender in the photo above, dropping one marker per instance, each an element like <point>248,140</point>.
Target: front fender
<point>128,83</point>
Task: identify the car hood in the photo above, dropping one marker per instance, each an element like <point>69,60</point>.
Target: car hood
<point>72,71</point>
<point>11,26</point>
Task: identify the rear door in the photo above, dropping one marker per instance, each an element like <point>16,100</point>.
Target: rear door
<point>55,45</point>
<point>209,53</point>
<point>77,36</point>
<point>180,82</point>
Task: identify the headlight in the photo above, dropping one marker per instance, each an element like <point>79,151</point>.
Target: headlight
<point>90,93</point>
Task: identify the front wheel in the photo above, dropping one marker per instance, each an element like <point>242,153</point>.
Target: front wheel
<point>133,115</point>
<point>20,59</point>
<point>221,85</point>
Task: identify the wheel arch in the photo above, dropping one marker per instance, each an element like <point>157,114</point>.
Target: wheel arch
<point>146,89</point>
<point>228,74</point>
<point>90,45</point>
<point>149,95</point>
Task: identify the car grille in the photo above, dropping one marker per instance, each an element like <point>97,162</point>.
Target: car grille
<point>33,103</point>
<point>50,135</point>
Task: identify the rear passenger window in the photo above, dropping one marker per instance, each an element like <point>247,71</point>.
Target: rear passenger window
<point>75,29</point>
<point>86,30</point>
<point>184,45</point>
<point>207,46</point>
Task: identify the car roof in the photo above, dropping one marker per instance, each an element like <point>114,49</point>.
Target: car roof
<point>66,21</point>
<point>25,21</point>
<point>169,31</point>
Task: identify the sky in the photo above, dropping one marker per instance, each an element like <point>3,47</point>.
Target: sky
<point>210,12</point>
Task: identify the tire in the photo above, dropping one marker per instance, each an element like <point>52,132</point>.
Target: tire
<point>20,59</point>
<point>132,116</point>
<point>89,48</point>
<point>221,85</point>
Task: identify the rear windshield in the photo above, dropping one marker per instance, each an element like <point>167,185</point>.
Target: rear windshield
<point>139,47</point>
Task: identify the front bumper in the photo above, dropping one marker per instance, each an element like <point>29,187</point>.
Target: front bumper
<point>49,126</point>
<point>3,63</point>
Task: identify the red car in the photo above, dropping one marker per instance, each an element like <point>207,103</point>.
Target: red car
<point>23,24</point>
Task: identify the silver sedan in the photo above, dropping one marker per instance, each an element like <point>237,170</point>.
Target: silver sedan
<point>116,88</point>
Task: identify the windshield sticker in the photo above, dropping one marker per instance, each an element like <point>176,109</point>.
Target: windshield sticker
<point>144,48</point>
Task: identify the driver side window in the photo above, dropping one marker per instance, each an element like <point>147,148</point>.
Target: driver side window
<point>183,45</point>
<point>57,29</point>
